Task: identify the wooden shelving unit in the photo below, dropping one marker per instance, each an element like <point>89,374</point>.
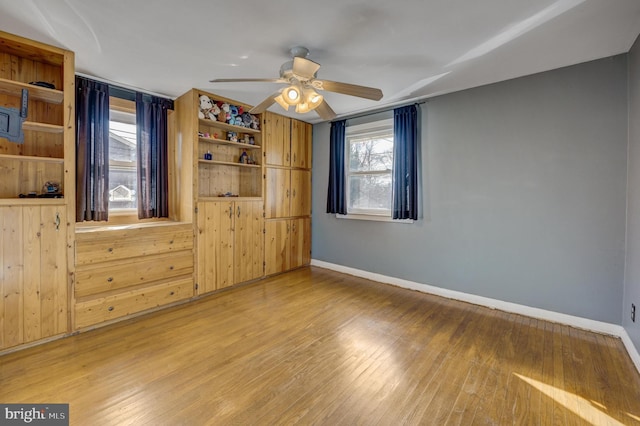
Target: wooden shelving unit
<point>226,163</point>
<point>14,88</point>
<point>41,232</point>
<point>42,127</point>
<point>53,160</point>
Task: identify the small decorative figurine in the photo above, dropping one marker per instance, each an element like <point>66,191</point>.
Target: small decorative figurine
<point>208,156</point>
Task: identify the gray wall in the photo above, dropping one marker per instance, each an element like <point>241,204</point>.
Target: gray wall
<point>524,188</point>
<point>632,276</point>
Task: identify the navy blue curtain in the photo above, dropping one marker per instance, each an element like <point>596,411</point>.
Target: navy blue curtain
<point>405,162</point>
<point>152,150</point>
<point>336,200</point>
<point>92,150</point>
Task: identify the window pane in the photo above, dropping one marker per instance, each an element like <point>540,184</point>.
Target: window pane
<point>371,154</point>
<point>370,192</point>
<point>122,162</point>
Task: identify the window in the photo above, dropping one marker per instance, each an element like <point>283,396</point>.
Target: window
<point>369,164</point>
<point>123,168</point>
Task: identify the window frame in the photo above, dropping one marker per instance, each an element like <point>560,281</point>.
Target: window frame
<point>351,132</point>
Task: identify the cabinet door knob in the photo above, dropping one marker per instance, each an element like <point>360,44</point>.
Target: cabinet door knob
<point>110,249</point>
<point>170,241</point>
<point>172,293</point>
<point>110,308</point>
<point>110,279</point>
<point>171,268</point>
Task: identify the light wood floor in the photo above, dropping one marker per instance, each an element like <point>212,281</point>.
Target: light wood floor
<point>318,347</point>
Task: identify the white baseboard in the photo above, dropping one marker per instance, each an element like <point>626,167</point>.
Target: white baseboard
<point>574,321</point>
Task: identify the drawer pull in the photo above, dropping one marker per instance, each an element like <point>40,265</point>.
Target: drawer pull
<point>172,293</point>
<point>171,267</point>
<point>110,308</point>
<point>110,279</point>
<point>171,242</point>
<point>110,249</point>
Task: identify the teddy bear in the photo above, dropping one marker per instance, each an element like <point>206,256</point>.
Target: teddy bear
<point>224,114</point>
<point>205,107</point>
<point>215,110</point>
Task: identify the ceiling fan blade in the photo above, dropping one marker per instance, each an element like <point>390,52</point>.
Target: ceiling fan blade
<point>349,89</point>
<point>262,106</point>
<point>247,80</point>
<point>305,68</point>
<point>325,112</point>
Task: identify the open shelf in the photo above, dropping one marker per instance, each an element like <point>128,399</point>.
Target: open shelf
<point>42,127</point>
<point>201,198</point>
<point>32,201</point>
<point>14,88</point>
<point>225,126</point>
<point>228,163</point>
<point>226,142</point>
<point>32,158</point>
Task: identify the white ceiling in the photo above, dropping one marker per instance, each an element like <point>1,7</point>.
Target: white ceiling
<point>411,49</point>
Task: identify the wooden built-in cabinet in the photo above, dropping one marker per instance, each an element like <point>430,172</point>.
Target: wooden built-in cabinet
<point>230,243</point>
<point>36,237</point>
<point>120,272</point>
<point>287,244</point>
<point>33,288</point>
<point>225,193</point>
<point>224,174</point>
<point>287,193</point>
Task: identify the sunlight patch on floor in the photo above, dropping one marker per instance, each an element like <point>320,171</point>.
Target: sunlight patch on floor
<point>574,403</point>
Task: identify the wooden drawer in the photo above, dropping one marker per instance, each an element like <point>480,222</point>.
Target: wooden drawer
<point>102,309</point>
<point>101,277</point>
<point>109,245</point>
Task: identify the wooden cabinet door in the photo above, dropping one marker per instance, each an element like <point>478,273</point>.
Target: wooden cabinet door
<point>277,140</point>
<point>300,193</point>
<point>277,246</point>
<point>33,289</point>
<point>301,135</point>
<point>300,237</point>
<point>249,241</point>
<point>278,192</point>
<point>215,245</point>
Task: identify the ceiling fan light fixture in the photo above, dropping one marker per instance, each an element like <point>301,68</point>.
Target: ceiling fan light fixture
<point>303,107</point>
<point>314,99</point>
<point>280,100</point>
<point>291,95</point>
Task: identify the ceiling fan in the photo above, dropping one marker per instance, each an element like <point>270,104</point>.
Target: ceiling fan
<point>301,92</point>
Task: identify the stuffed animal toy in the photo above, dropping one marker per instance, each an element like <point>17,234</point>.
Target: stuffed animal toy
<point>237,120</point>
<point>205,107</point>
<point>246,119</point>
<point>224,115</point>
<point>233,112</point>
<point>255,123</point>
<point>215,110</point>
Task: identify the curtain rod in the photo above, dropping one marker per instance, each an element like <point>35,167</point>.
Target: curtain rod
<point>386,108</point>
<point>124,86</point>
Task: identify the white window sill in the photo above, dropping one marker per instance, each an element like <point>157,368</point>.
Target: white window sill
<point>375,218</point>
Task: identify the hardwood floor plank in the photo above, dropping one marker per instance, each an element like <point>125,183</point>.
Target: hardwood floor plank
<point>318,347</point>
